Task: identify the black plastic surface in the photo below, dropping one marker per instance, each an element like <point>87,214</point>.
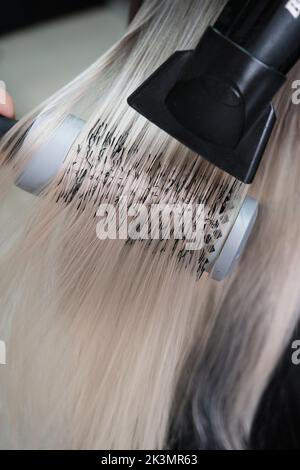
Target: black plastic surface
<point>216,100</point>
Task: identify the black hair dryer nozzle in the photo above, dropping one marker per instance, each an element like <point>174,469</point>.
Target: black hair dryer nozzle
<point>217,99</point>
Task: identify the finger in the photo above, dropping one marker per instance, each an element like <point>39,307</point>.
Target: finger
<point>7,107</point>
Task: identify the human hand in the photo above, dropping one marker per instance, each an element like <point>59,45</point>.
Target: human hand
<point>7,108</point>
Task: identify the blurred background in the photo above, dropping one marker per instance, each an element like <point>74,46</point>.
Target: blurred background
<point>44,45</point>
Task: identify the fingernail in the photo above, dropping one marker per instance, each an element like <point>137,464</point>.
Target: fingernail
<point>2,92</point>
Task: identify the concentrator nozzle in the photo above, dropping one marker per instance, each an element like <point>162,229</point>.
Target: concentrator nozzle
<point>217,98</point>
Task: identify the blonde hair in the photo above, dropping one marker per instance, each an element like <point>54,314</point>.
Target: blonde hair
<point>252,316</point>
<point>99,333</point>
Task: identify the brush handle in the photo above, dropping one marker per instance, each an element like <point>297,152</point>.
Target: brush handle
<point>5,125</point>
<point>48,157</point>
